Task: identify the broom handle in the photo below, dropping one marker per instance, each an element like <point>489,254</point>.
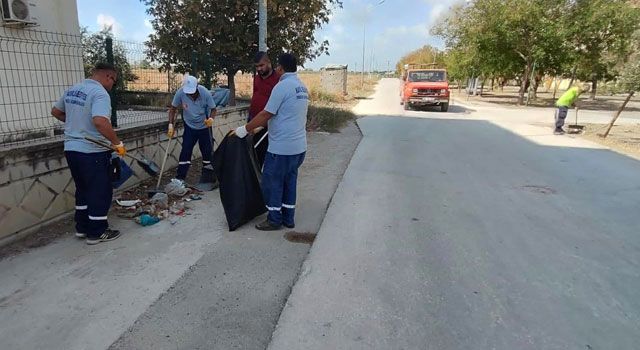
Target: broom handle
<point>100,143</point>
<point>261,139</point>
<point>164,162</point>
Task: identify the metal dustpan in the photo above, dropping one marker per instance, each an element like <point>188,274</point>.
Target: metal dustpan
<point>575,128</point>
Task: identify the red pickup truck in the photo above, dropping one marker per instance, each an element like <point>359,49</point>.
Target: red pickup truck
<point>425,87</point>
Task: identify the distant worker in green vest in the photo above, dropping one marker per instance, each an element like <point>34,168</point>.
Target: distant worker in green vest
<point>566,101</point>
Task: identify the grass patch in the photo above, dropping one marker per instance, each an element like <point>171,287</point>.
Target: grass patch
<point>329,119</point>
<point>321,97</point>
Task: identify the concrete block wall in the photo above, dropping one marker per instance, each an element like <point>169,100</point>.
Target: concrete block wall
<point>334,80</point>
<point>36,187</point>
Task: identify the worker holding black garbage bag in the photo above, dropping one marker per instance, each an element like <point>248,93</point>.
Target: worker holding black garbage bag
<point>286,116</point>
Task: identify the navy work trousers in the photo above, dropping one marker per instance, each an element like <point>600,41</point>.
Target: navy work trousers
<point>192,136</point>
<point>279,181</point>
<point>94,192</point>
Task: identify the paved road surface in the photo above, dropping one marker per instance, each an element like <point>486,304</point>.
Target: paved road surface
<point>472,230</point>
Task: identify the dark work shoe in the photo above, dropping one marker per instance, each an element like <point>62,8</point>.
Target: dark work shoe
<point>268,226</point>
<point>290,226</point>
<point>558,131</point>
<point>108,235</point>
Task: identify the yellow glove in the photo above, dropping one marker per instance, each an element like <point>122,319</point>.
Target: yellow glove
<point>120,150</point>
<point>208,122</point>
<point>170,131</point>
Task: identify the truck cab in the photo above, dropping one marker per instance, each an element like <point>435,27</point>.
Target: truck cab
<point>425,87</point>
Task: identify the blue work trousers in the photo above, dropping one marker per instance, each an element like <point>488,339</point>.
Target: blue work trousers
<point>279,181</point>
<point>192,136</point>
<point>94,191</point>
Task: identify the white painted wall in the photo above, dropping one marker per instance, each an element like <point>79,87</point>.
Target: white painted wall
<point>36,65</point>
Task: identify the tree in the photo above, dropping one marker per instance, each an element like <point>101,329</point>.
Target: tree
<point>503,37</point>
<point>225,32</point>
<point>601,32</point>
<point>424,55</point>
<point>95,51</point>
<point>145,64</point>
<point>629,81</point>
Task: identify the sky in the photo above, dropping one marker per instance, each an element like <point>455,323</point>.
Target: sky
<point>392,28</point>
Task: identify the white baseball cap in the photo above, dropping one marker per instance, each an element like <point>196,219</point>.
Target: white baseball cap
<point>189,84</point>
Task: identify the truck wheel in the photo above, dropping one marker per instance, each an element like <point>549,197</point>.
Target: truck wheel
<point>444,107</point>
<point>407,107</point>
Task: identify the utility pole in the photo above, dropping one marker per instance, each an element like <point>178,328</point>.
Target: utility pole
<point>364,39</point>
<point>262,30</point>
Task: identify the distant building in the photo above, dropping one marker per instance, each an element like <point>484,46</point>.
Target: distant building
<point>333,78</point>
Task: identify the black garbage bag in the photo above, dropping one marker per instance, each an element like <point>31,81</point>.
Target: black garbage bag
<point>239,176</point>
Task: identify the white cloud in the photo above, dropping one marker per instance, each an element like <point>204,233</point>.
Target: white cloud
<point>107,21</point>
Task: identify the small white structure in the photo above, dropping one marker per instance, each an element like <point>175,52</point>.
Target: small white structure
<point>40,55</point>
<point>333,78</point>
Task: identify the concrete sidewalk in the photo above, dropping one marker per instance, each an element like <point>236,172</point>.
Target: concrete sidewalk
<point>68,295</point>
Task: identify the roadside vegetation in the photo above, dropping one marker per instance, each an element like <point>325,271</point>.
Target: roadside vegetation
<point>527,42</point>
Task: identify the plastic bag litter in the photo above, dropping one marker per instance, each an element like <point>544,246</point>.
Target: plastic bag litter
<point>176,188</point>
<point>147,220</point>
<point>160,200</point>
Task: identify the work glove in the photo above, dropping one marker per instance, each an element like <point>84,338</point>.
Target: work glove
<point>119,148</point>
<point>241,131</point>
<point>170,131</point>
<point>208,122</point>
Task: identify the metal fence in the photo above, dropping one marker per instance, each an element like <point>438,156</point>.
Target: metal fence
<point>36,67</point>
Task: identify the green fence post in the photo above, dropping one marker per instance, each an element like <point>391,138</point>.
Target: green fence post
<point>208,69</point>
<point>112,93</point>
<point>194,63</point>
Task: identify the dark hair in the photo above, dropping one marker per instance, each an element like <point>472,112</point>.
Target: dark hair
<point>288,62</point>
<point>104,66</point>
<point>259,56</point>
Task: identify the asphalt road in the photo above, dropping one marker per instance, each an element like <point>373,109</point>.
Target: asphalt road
<point>474,229</point>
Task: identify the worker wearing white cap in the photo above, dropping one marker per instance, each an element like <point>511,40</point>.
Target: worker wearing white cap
<point>199,110</point>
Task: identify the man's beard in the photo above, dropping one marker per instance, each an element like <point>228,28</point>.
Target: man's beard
<point>265,73</point>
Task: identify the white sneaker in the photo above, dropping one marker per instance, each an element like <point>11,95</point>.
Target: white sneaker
<point>81,235</point>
